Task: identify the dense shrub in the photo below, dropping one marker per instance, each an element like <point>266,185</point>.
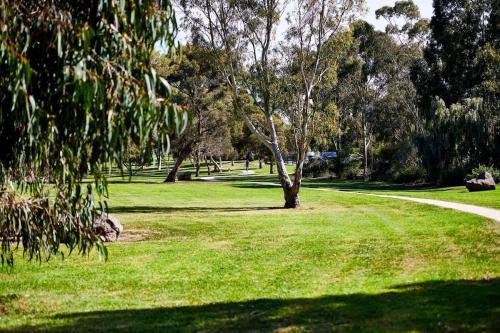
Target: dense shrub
<point>319,168</point>
<point>410,174</point>
<point>483,168</point>
<point>351,170</point>
<point>453,175</point>
<point>398,162</point>
<point>349,167</point>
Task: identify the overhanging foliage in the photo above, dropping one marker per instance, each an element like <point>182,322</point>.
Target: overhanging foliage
<point>76,85</point>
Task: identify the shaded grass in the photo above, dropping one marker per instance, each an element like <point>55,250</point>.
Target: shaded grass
<point>230,172</point>
<point>224,257</point>
<point>428,306</point>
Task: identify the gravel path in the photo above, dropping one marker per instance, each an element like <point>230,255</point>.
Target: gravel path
<point>493,214</point>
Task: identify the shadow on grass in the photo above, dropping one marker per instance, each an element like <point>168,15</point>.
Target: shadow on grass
<point>160,209</point>
<point>435,306</point>
<point>344,185</point>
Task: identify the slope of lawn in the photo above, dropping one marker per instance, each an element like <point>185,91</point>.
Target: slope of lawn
<point>223,257</point>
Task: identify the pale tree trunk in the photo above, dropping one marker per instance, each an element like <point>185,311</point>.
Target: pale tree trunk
<point>159,158</point>
<point>290,189</point>
<point>208,165</point>
<point>217,167</point>
<point>197,163</point>
<point>216,26</point>
<point>366,143</point>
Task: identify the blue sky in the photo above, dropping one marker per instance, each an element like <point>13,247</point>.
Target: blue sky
<point>424,5</point>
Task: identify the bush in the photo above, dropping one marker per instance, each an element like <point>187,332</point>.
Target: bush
<point>495,173</point>
<point>453,175</point>
<point>319,168</point>
<point>411,174</point>
<point>349,166</point>
<point>398,162</point>
<point>351,170</point>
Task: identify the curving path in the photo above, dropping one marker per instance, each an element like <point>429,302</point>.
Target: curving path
<point>493,214</point>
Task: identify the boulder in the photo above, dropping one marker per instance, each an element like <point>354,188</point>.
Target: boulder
<point>187,175</point>
<point>108,228</point>
<point>483,182</point>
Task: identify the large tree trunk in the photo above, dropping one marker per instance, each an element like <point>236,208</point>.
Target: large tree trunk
<point>292,199</point>
<point>290,189</point>
<point>291,195</point>
<point>183,154</point>
<point>172,175</point>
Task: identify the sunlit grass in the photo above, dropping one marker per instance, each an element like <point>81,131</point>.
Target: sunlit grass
<point>223,256</point>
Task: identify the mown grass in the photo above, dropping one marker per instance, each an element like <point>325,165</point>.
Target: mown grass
<point>223,257</point>
<point>455,193</point>
<point>236,173</point>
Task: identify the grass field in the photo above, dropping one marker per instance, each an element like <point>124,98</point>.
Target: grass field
<point>223,257</point>
<point>456,193</point>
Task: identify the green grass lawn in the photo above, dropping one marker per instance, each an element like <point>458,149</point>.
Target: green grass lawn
<point>235,173</point>
<point>223,257</point>
<point>456,193</point>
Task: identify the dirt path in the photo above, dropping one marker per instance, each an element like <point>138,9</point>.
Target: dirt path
<point>493,214</point>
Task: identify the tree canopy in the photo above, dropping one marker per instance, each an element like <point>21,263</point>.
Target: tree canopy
<point>76,86</point>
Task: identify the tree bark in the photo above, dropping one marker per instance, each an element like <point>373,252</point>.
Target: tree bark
<point>260,163</point>
<point>292,199</point>
<point>217,168</point>
<point>271,167</point>
<point>183,154</point>
<point>197,163</point>
<point>208,165</point>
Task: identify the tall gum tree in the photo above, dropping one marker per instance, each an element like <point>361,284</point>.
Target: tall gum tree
<point>246,33</point>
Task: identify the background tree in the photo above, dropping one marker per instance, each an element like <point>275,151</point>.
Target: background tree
<point>199,91</point>
<point>76,85</point>
<point>404,22</point>
<point>461,64</point>
<point>376,95</point>
<point>245,31</point>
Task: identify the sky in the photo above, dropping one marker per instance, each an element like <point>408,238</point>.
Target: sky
<point>424,5</point>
